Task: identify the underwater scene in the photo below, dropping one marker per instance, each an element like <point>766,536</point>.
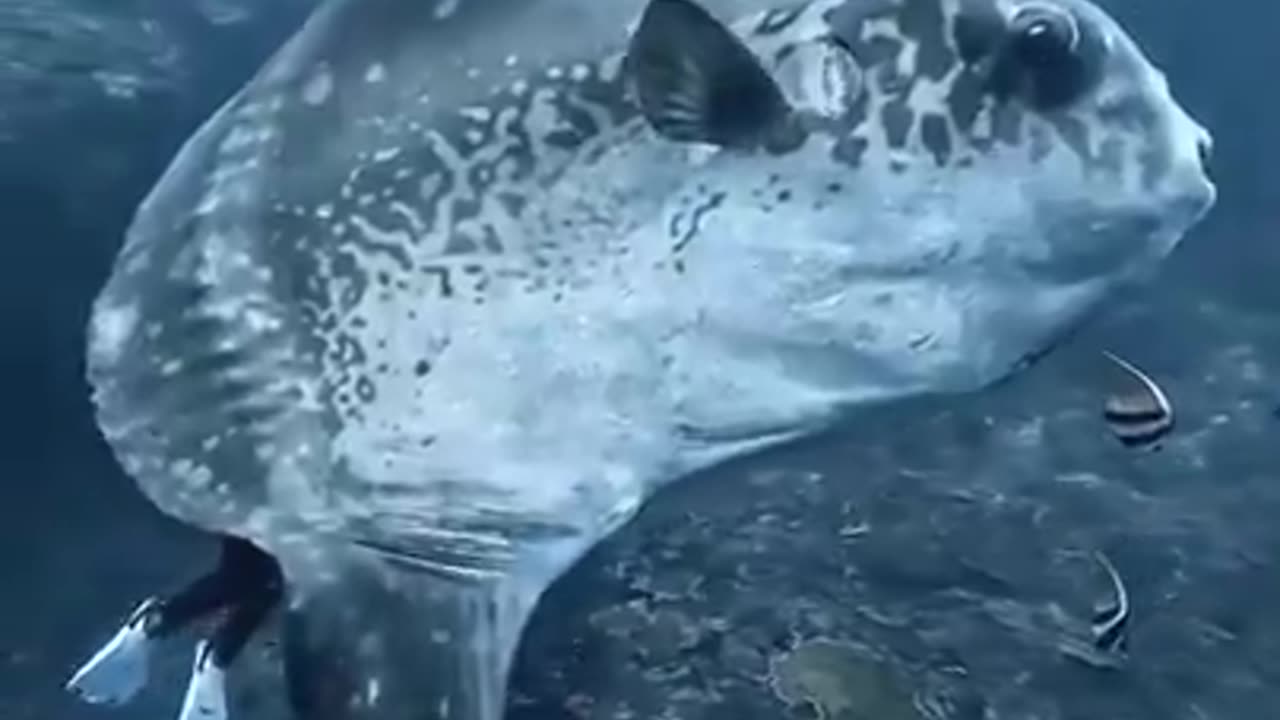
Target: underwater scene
<point>639,360</point>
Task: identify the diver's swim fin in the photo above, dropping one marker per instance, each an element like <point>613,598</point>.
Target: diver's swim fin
<point>118,670</point>
<point>206,697</point>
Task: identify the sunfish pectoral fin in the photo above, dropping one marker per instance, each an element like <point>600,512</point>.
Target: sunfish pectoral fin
<point>372,637</point>
<point>695,81</point>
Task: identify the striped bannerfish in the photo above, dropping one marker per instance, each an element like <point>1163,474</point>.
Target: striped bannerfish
<point>1140,415</point>
<point>1111,623</point>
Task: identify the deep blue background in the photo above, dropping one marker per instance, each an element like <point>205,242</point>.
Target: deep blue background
<point>78,545</point>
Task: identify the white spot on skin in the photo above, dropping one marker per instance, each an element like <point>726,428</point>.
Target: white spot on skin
<point>445,9</point>
<point>580,72</point>
<point>386,154</point>
<point>373,233</point>
<point>318,88</point>
<point>324,212</point>
<point>610,68</point>
<point>201,475</point>
<point>543,118</point>
<point>112,328</point>
<point>376,73</point>
<point>476,114</point>
<point>182,468</point>
<point>511,61</point>
<point>430,185</point>
<point>119,85</point>
<point>409,214</point>
<point>259,321</point>
<point>239,137</point>
<point>208,204</point>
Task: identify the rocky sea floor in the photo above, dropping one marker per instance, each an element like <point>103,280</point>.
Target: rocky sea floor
<point>937,563</point>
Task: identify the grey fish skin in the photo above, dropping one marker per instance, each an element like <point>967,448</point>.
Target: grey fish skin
<point>429,329</point>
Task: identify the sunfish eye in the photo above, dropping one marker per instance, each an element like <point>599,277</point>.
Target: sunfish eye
<point>1045,58</point>
<point>1044,34</point>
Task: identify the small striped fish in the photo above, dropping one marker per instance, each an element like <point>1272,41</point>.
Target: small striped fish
<point>1111,623</point>
<point>1140,415</point>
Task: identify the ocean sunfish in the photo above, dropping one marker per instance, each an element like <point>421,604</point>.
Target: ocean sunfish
<point>443,295</point>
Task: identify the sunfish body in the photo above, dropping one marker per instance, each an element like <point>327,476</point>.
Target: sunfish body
<point>428,332</point>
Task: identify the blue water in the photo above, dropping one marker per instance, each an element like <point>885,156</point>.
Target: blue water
<point>976,511</point>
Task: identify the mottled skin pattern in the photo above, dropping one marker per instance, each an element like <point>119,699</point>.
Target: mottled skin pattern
<point>428,355</point>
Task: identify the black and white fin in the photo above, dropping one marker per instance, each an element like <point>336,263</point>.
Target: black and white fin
<point>1106,614</point>
<point>695,81</point>
<point>1110,624</point>
<point>1113,637</point>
